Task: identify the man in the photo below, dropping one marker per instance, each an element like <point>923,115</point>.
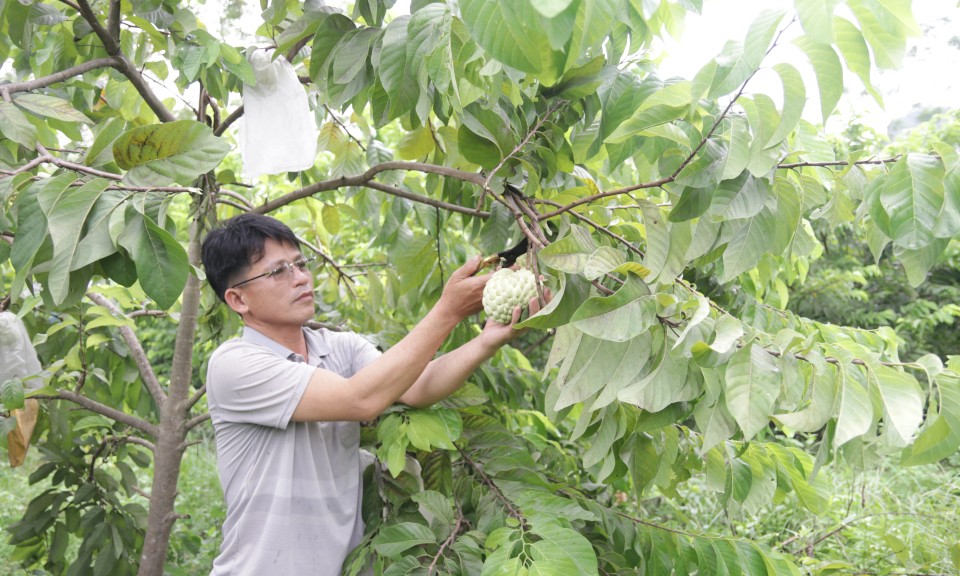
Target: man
<point>286,401</point>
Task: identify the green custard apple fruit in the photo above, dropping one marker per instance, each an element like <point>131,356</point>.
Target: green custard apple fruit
<point>507,289</point>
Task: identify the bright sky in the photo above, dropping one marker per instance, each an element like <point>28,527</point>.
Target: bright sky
<point>927,76</point>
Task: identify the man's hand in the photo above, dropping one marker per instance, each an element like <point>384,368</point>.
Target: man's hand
<point>495,334</point>
<point>463,294</point>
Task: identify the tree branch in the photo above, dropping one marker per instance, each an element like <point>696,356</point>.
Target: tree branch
<point>366,179</point>
<point>197,420</point>
<point>136,349</point>
<point>486,183</point>
<point>56,77</point>
<point>448,542</point>
<point>230,119</point>
<point>113,21</point>
<point>423,199</point>
<point>839,163</point>
<point>329,259</point>
<point>125,66</point>
<point>196,397</point>
<point>102,409</point>
<point>663,181</point>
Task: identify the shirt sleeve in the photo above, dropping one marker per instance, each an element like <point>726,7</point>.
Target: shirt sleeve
<point>251,384</point>
<point>364,352</point>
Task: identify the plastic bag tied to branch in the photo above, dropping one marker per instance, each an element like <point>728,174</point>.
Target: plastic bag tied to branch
<point>278,133</point>
<point>18,359</point>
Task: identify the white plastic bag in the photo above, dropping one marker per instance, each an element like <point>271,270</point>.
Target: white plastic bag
<point>18,359</point>
<point>278,132</point>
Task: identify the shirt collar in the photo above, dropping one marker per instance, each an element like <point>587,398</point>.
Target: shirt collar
<point>316,345</point>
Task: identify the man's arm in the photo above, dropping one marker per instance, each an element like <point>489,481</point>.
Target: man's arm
<point>373,389</point>
<point>447,373</point>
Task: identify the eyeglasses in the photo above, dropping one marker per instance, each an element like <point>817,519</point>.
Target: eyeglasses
<point>282,271</point>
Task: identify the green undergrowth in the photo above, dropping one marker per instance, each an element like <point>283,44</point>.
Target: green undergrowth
<point>888,520</point>
<point>885,520</point>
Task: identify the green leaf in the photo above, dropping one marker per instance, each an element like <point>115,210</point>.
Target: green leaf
<point>416,145</point>
<point>627,313</point>
<point>159,154</point>
<point>855,53</point>
<point>670,381</point>
<point>948,221</point>
<point>753,384</point>
<point>574,291</point>
<point>587,368</point>
<point>821,391</point>
<point>665,105</point>
<point>32,226</point>
<point>435,428</point>
<point>940,436</point>
<point>855,412</point>
<point>715,423</point>
<point>827,69</point>
<point>694,202</point>
<point>236,64</point>
<point>51,107</point>
<point>398,538</point>
<point>512,32</point>
<point>912,197</point>
<point>101,151</point>
<point>67,212</point>
<point>916,263</point>
<point>750,243</point>
<point>352,54</point>
<point>759,36</point>
<point>571,253</point>
<point>561,550</point>
<point>603,261</point>
<point>816,19</point>
<point>162,264</point>
<point>15,126</point>
<point>794,99</point>
<point>902,404</point>
<point>11,394</point>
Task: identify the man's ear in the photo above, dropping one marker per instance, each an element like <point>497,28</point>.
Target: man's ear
<point>235,300</point>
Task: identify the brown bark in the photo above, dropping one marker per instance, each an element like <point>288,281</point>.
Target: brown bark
<point>174,415</point>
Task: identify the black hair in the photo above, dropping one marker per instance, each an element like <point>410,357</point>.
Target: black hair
<point>232,247</point>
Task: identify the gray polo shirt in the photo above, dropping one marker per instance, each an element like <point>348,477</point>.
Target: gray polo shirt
<point>292,489</point>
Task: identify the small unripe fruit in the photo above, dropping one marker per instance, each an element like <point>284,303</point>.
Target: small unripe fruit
<point>507,289</point>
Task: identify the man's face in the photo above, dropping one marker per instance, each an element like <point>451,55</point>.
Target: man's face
<point>274,291</point>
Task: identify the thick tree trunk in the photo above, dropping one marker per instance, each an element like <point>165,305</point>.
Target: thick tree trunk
<point>174,414</point>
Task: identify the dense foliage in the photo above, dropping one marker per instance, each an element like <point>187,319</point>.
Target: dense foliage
<point>670,217</point>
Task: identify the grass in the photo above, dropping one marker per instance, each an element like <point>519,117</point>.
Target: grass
<point>885,520</point>
<point>195,539</point>
<point>15,493</point>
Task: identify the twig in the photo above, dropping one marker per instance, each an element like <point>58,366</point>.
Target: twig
<point>663,181</point>
<point>329,259</point>
<point>197,420</point>
<point>102,409</point>
<point>56,77</point>
<point>536,127</point>
<point>125,66</point>
<point>365,178</point>
<point>230,119</point>
<point>344,127</point>
<point>890,160</point>
<point>448,542</point>
<point>136,349</point>
<point>487,481</point>
<point>196,397</point>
